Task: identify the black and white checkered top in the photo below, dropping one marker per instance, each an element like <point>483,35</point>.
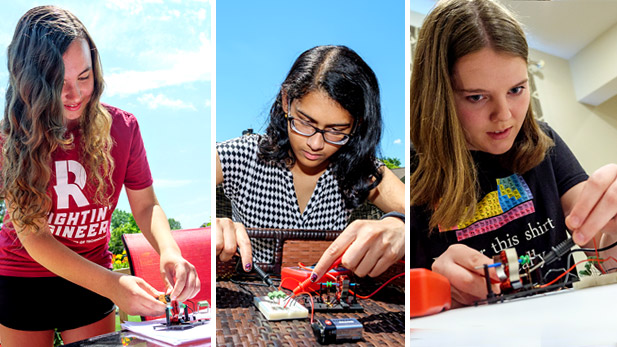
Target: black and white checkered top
<point>263,195</point>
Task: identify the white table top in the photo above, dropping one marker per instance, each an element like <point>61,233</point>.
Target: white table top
<point>584,317</point>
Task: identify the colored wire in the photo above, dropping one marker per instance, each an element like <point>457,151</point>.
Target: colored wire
<point>595,246</point>
<point>303,267</point>
<point>288,278</point>
<point>378,289</point>
<point>593,250</point>
<point>312,303</point>
<point>572,267</point>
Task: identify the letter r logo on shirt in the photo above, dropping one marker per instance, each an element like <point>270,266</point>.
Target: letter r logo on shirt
<point>64,189</point>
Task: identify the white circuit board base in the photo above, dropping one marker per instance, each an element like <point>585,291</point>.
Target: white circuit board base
<point>273,309</point>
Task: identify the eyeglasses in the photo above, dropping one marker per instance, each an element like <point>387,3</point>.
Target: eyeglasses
<point>306,129</point>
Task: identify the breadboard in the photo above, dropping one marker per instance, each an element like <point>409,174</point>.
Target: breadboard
<point>594,281</point>
<point>274,310</point>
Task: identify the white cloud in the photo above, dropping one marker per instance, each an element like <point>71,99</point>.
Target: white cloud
<point>201,14</point>
<point>397,141</point>
<point>187,67</point>
<point>134,7</point>
<point>154,102</point>
<point>161,183</point>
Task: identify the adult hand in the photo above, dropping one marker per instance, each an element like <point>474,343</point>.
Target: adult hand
<point>229,236</point>
<point>136,297</point>
<point>595,208</point>
<point>468,284</point>
<point>368,247</point>
<point>180,276</point>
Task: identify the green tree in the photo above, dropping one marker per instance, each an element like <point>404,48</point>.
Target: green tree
<point>391,163</point>
<point>121,223</point>
<point>2,212</point>
<point>174,224</point>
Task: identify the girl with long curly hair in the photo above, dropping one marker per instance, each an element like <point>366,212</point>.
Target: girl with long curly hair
<point>65,158</point>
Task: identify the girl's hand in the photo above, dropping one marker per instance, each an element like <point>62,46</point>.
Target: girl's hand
<point>595,207</point>
<point>458,264</point>
<point>136,297</point>
<point>368,247</point>
<point>229,236</point>
<point>180,276</point>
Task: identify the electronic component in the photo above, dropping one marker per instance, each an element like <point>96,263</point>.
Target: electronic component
<point>519,276</point>
<point>204,306</point>
<point>291,276</point>
<point>336,297</point>
<point>430,292</point>
<point>278,306</point>
<point>304,285</point>
<point>177,316</point>
<point>337,330</point>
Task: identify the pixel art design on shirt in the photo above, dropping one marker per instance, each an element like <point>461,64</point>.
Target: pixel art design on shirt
<point>511,200</point>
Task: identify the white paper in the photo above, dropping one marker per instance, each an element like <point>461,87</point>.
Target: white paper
<point>172,337</point>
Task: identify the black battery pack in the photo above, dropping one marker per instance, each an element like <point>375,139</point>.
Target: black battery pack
<point>337,330</point>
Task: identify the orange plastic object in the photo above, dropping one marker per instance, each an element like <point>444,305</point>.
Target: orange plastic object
<point>292,276</point>
<point>430,292</point>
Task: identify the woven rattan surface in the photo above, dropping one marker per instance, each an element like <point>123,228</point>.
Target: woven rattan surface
<point>239,323</point>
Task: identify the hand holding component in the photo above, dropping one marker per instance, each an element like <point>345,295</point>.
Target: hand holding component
<point>458,264</point>
<point>595,206</point>
<point>369,247</point>
<point>314,277</point>
<point>136,297</point>
<point>229,236</point>
<point>180,276</point>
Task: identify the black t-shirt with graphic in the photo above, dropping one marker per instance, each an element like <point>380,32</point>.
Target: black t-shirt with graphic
<point>520,211</point>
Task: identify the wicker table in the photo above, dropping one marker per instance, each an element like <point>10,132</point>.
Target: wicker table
<point>239,323</point>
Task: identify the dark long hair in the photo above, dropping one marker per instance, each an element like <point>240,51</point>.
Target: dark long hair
<point>347,79</point>
<point>33,126</point>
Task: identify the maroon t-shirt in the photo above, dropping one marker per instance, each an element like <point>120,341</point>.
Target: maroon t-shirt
<point>75,219</point>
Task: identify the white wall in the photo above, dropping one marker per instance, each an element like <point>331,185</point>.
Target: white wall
<point>589,131</point>
<point>594,69</point>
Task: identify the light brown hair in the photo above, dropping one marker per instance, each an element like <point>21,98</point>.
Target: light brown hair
<point>33,126</point>
<point>443,171</point>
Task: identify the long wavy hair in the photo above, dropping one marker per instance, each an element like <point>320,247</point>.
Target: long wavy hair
<point>444,176</point>
<point>33,126</point>
<point>347,79</point>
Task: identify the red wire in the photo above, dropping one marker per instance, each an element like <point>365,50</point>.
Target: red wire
<point>378,289</point>
<point>312,304</point>
<point>595,246</point>
<point>303,267</point>
<point>288,278</point>
<point>570,269</point>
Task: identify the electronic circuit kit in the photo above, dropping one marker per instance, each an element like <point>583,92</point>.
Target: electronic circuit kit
<point>299,296</point>
<point>519,276</point>
<point>178,315</point>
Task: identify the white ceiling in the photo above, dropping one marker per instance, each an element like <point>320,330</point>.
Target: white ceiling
<point>558,27</point>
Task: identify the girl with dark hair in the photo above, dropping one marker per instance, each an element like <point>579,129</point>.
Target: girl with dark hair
<point>486,175</point>
<point>65,157</point>
<point>315,164</point>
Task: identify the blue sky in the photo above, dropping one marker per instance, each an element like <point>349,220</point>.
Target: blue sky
<point>257,42</point>
<point>157,61</point>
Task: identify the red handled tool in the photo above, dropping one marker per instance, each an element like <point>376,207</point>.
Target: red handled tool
<point>307,282</point>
